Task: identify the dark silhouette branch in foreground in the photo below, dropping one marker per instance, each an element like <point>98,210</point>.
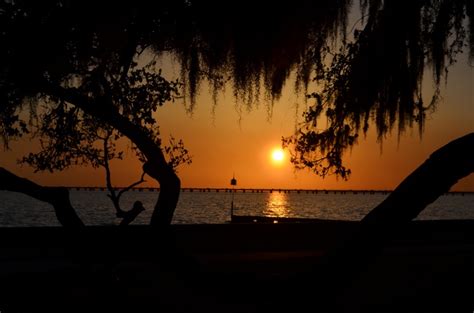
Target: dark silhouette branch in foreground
<point>126,216</point>
<point>433,178</point>
<point>131,215</point>
<point>58,197</point>
<point>115,197</point>
<point>156,165</point>
<point>444,168</point>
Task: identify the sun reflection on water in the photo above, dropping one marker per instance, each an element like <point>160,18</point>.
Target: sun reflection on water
<point>277,205</point>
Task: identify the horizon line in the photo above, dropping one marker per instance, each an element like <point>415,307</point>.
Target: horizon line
<point>240,189</point>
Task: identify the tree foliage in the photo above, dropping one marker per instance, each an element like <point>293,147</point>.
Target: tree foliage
<point>255,44</point>
<point>370,74</point>
<point>377,78</point>
<point>83,46</point>
<point>74,67</point>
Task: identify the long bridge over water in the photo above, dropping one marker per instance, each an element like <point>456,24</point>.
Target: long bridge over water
<point>262,190</point>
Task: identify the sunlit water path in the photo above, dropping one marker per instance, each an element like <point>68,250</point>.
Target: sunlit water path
<point>95,208</point>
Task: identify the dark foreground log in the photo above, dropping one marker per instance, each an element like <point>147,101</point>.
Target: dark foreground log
<point>58,197</point>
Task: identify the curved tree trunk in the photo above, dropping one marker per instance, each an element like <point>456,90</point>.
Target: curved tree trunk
<point>170,187</point>
<point>430,180</point>
<point>57,197</point>
<point>156,166</point>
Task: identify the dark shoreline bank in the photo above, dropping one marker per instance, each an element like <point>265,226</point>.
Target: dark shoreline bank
<point>227,268</point>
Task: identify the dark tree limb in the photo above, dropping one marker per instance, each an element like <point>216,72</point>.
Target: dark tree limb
<point>156,166</point>
<point>58,197</point>
<point>126,216</point>
<point>108,177</point>
<point>130,215</point>
<point>124,190</point>
<point>444,168</point>
<point>430,180</point>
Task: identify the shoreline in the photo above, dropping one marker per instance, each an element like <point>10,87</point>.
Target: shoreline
<point>227,267</point>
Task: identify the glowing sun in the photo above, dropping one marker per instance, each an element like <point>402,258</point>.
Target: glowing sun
<point>277,156</point>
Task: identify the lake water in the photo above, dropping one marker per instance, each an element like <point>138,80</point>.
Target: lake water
<point>95,208</point>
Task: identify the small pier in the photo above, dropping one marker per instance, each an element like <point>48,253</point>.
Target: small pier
<point>265,190</point>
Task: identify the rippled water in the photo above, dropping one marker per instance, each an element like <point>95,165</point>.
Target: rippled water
<point>95,208</point>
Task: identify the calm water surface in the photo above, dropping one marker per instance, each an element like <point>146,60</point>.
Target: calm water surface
<point>95,208</point>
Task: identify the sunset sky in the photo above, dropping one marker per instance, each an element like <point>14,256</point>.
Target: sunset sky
<point>227,139</point>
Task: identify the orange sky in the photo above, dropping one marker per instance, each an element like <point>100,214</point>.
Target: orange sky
<point>226,142</point>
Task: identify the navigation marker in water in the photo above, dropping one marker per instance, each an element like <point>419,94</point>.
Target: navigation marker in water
<point>233,182</point>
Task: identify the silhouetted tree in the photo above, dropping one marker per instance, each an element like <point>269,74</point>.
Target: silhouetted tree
<point>370,77</point>
<point>73,66</point>
<point>370,74</point>
<point>377,77</point>
<point>367,76</point>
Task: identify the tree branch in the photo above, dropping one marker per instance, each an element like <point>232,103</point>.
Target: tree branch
<point>58,197</point>
<point>444,168</point>
<point>121,192</point>
<point>430,180</point>
<point>107,113</point>
<point>130,215</point>
<point>108,178</point>
<point>156,165</point>
<point>127,216</point>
